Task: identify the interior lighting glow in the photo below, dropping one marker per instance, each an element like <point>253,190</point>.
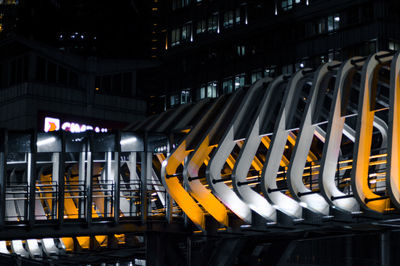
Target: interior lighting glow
<point>128,141</point>
<point>45,141</point>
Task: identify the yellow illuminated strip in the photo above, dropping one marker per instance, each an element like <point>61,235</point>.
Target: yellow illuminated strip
<point>176,190</point>
<point>204,196</point>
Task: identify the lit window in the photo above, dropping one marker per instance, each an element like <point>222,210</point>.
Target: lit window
<point>212,89</point>
<point>241,50</point>
<point>269,72</point>
<point>179,3</point>
<point>256,75</point>
<point>201,26</point>
<point>237,16</point>
<point>227,85</point>
<point>328,24</point>
<point>174,100</point>
<point>393,45</point>
<point>185,97</point>
<point>175,36</point>
<point>187,31</point>
<point>213,23</point>
<point>228,19</point>
<point>209,91</point>
<point>239,81</point>
<point>202,92</point>
<point>287,4</point>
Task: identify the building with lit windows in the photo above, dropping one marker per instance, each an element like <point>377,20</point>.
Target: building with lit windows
<point>217,46</point>
<point>39,82</point>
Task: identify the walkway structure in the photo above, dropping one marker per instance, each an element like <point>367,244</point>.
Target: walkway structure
<point>310,149</point>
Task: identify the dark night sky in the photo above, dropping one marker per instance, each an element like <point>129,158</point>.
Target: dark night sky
<point>121,27</point>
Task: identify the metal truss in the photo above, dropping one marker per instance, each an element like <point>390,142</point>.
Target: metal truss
<point>317,146</point>
<point>314,144</point>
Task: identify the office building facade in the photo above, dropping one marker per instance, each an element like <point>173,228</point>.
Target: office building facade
<point>216,47</point>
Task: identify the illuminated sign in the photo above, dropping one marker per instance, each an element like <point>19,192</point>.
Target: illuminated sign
<point>54,124</point>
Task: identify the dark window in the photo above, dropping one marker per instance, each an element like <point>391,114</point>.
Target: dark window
<point>117,84</point>
<point>26,68</point>
<point>106,84</point>
<point>127,84</point>
<point>20,69</point>
<point>40,69</point>
<point>62,75</point>
<point>13,72</point>
<point>73,77</point>
<point>51,72</point>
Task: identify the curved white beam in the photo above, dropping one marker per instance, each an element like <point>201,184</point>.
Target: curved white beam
<point>199,157</point>
<point>224,149</point>
<point>308,129</point>
<point>253,199</point>
<point>336,128</point>
<point>281,201</point>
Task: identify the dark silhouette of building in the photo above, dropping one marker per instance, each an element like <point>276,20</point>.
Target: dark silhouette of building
<point>38,81</point>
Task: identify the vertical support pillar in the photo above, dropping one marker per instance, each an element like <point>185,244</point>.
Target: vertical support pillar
<point>189,251</point>
<point>3,175</point>
<point>168,198</point>
<point>133,178</point>
<point>168,207</point>
<point>348,251</point>
<point>385,248</point>
<point>31,178</point>
<point>117,174</point>
<point>82,180</point>
<point>143,180</point>
<point>89,179</point>
<point>60,180</point>
<point>109,176</point>
<point>156,248</point>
